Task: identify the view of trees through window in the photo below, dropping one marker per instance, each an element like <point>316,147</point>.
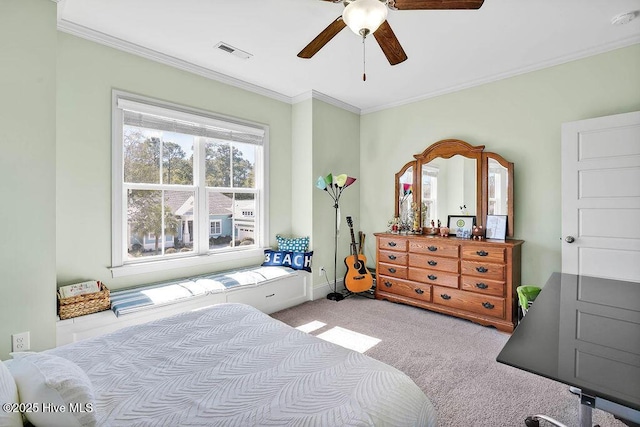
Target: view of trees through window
<point>160,177</point>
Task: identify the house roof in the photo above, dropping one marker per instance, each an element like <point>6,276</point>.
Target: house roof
<point>181,203</point>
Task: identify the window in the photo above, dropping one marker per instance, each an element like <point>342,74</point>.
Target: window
<point>215,227</point>
<point>184,181</point>
<point>429,195</point>
<point>497,201</point>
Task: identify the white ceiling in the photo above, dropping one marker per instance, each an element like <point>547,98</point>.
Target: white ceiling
<point>447,50</point>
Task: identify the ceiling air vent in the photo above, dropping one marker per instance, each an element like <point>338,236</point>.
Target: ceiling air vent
<point>234,51</point>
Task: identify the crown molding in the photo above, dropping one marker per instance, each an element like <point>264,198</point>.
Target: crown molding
<point>314,94</point>
<point>607,47</point>
<point>116,43</point>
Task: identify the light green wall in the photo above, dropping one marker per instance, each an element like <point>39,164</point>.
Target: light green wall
<point>336,147</point>
<point>87,73</point>
<point>27,171</point>
<point>520,119</point>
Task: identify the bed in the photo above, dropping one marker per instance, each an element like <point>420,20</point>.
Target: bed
<point>232,365</point>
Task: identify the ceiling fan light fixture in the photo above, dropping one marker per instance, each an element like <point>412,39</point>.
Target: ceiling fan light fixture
<point>365,16</point>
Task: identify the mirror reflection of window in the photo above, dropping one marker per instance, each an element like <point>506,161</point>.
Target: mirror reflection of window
<point>429,195</point>
<point>497,203</point>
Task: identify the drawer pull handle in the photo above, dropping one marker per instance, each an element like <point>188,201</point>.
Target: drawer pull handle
<point>388,284</point>
<point>392,257</point>
<point>482,285</point>
<point>419,291</point>
<point>392,244</point>
<point>432,277</point>
<point>432,262</point>
<point>487,305</point>
<point>482,253</point>
<point>433,248</point>
<point>269,296</point>
<point>482,269</point>
<point>392,270</point>
<point>445,296</point>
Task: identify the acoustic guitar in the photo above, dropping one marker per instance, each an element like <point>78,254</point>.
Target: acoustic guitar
<point>357,278</point>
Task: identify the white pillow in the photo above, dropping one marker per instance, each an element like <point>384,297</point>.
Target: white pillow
<point>53,382</point>
<point>8,395</point>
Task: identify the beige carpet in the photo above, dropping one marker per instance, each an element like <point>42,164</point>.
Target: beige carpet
<point>451,360</point>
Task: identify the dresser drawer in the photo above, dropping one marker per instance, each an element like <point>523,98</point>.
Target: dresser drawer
<point>482,269</point>
<point>393,257</point>
<point>433,262</point>
<point>433,247</point>
<point>408,289</point>
<point>393,243</point>
<point>393,270</point>
<point>469,301</point>
<point>483,253</point>
<point>434,277</point>
<point>483,286</point>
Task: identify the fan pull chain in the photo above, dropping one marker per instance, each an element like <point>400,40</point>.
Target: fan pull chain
<point>364,60</point>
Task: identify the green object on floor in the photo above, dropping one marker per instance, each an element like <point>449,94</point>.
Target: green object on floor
<point>526,296</point>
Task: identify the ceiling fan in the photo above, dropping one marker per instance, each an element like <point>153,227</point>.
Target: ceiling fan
<point>370,16</point>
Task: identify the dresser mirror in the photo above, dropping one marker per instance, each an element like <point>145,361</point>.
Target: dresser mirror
<point>405,180</point>
<point>497,190</point>
<point>448,187</point>
<point>452,177</point>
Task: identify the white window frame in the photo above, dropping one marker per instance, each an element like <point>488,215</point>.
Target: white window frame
<point>498,198</point>
<point>433,172</point>
<point>219,225</point>
<point>120,265</point>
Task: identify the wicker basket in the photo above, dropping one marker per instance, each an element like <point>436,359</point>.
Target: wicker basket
<point>84,304</point>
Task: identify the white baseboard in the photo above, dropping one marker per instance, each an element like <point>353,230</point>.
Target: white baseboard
<point>324,289</point>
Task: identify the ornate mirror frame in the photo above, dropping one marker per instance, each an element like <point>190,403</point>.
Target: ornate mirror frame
<point>448,148</point>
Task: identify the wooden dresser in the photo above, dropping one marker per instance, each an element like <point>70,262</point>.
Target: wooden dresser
<point>471,279</point>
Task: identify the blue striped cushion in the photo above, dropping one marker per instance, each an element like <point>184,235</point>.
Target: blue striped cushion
<point>143,297</point>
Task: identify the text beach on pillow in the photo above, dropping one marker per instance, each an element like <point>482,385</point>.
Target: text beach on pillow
<point>334,185</point>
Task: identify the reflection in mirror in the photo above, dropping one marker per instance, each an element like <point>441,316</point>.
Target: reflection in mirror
<point>498,194</point>
<point>405,191</point>
<point>448,188</point>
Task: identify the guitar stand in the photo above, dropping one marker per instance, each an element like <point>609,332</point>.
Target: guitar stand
<point>369,293</point>
<point>366,294</point>
<point>336,296</point>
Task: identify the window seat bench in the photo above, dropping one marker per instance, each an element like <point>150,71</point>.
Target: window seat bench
<point>269,289</point>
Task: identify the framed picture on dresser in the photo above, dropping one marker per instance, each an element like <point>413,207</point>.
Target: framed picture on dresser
<point>496,227</point>
<point>461,225</point>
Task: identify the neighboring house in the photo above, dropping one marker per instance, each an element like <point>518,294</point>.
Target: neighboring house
<point>222,214</point>
<point>244,214</point>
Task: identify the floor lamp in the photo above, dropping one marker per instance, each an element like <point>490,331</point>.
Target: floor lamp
<point>334,185</point>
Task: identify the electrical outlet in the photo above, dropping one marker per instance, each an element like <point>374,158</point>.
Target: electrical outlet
<point>20,342</point>
<point>321,271</point>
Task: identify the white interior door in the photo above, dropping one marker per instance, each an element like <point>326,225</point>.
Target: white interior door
<point>601,197</point>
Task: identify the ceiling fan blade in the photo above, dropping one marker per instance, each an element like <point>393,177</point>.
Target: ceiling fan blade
<point>389,44</point>
<point>435,4</point>
<point>323,38</point>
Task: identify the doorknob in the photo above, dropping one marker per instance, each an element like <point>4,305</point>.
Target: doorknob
<point>569,239</point>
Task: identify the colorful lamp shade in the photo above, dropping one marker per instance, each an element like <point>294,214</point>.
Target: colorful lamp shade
<point>339,181</point>
<point>321,183</point>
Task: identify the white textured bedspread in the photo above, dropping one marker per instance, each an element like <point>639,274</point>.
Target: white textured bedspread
<point>232,365</point>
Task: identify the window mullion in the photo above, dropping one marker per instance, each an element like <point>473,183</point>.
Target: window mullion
<point>202,202</point>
